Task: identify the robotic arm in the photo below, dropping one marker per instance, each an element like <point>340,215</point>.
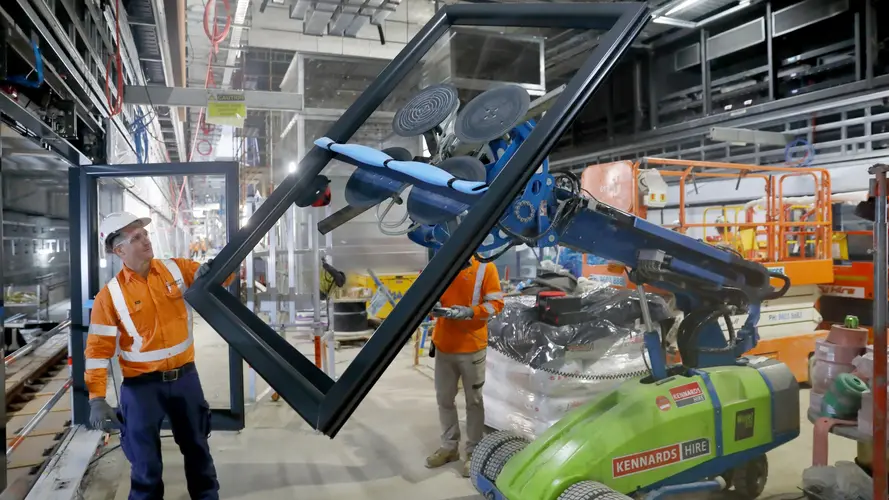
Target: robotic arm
<point>709,282</point>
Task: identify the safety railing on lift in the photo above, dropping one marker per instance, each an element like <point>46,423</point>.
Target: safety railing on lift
<point>764,231</point>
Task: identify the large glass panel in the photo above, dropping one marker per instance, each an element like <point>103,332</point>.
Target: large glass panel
<point>454,124</point>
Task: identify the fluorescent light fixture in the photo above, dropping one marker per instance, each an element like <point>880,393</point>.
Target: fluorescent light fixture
<point>291,167</point>
<point>672,21</point>
<point>682,6</point>
<point>744,3</point>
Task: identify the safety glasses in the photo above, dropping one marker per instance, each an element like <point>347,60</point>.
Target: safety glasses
<point>140,236</point>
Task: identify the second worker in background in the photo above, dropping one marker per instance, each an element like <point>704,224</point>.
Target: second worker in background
<point>460,338</point>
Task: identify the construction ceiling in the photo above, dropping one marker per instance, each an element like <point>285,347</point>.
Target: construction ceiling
<point>219,56</point>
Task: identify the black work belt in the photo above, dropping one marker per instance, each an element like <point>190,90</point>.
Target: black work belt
<point>167,376</point>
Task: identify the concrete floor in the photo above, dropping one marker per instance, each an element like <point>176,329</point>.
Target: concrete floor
<point>379,454</point>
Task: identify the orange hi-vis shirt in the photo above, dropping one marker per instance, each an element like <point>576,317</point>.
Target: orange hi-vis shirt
<point>146,323</point>
<point>477,286</point>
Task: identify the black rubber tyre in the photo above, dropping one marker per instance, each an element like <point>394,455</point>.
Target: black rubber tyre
<point>501,455</point>
<point>486,452</point>
<point>749,480</point>
<point>591,490</point>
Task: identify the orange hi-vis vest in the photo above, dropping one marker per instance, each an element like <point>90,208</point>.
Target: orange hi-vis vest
<point>145,322</point>
<point>477,286</point>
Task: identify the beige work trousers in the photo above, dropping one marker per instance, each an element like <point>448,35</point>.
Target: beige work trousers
<point>449,369</point>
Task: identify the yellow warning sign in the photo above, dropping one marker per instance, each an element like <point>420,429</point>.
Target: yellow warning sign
<point>226,108</point>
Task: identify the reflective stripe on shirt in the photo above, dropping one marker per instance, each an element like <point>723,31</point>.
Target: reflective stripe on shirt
<point>103,330</point>
<point>479,280</point>
<point>96,364</point>
<point>135,353</point>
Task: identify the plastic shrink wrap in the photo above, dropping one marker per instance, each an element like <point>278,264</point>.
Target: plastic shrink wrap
<point>537,372</point>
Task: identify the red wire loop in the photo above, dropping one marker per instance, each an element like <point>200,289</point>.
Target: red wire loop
<point>215,37</point>
<point>115,104</point>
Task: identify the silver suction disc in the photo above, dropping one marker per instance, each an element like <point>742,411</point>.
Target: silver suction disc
<point>492,114</point>
<point>426,110</point>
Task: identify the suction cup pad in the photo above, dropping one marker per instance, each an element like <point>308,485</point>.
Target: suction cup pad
<point>426,110</point>
<point>492,114</point>
<point>426,207</point>
<point>366,189</point>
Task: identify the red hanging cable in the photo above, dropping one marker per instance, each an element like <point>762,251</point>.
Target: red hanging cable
<point>216,37</point>
<point>116,105</point>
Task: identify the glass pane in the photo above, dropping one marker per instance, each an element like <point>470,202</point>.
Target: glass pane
<point>35,241</point>
<point>187,223</point>
<point>470,61</point>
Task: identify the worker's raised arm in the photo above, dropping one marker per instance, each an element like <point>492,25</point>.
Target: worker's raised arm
<point>190,267</point>
<point>490,295</point>
<point>101,344</point>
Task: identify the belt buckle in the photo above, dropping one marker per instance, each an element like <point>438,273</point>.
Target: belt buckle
<point>170,376</point>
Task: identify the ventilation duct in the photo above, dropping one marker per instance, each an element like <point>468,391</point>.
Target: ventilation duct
<point>298,10</point>
<point>340,18</point>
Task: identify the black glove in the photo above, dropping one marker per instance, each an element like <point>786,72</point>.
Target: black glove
<point>204,269</point>
<point>102,416</point>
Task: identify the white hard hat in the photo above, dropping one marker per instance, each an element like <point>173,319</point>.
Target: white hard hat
<point>675,222</point>
<point>112,225</point>
<point>720,220</point>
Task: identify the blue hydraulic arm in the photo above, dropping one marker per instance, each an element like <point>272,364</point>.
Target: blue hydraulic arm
<point>709,282</point>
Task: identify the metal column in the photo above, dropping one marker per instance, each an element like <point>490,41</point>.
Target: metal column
<point>652,93</point>
<point>770,50</point>
<point>2,316</point>
<point>249,278</point>
<point>291,265</point>
<point>331,341</point>
<point>317,330</point>
<point>869,48</point>
<point>881,268</point>
<point>637,96</point>
<point>706,98</point>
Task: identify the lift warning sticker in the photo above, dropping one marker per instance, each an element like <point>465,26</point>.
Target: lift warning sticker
<point>659,457</point>
<point>687,394</point>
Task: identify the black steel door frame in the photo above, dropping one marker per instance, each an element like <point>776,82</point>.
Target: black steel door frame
<point>84,214</point>
<point>322,402</point>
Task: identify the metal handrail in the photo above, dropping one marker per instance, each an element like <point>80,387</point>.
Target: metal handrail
<point>36,342</point>
<point>35,420</point>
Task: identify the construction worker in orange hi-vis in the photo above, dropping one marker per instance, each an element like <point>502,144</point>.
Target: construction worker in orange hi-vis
<point>141,317</point>
<point>460,340</point>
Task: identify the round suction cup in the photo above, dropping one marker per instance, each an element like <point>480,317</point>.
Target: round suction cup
<point>492,114</point>
<point>426,207</point>
<point>426,110</point>
<point>366,189</point>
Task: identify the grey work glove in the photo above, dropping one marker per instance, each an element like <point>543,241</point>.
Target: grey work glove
<point>459,312</point>
<point>102,416</point>
<point>204,269</point>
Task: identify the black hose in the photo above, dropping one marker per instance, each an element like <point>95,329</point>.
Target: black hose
<point>778,293</point>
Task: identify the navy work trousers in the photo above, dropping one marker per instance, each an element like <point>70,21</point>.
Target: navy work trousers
<point>143,406</point>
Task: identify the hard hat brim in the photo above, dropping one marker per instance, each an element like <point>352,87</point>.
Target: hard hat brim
<point>142,221</point>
